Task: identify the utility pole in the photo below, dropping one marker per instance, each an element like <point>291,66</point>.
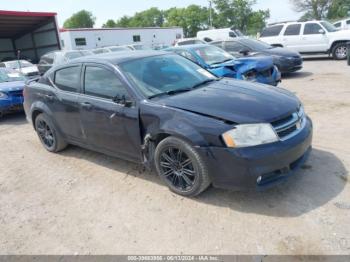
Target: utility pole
<point>210,15</point>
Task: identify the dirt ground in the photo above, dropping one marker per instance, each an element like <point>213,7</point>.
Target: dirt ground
<point>81,202</point>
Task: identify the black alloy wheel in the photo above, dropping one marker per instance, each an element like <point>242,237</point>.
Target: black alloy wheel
<point>178,169</point>
<point>181,167</point>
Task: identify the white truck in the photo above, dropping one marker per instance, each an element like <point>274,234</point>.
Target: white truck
<point>312,37</point>
<point>218,34</point>
<point>343,24</point>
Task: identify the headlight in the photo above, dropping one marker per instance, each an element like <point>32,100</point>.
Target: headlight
<point>250,135</point>
<point>2,95</point>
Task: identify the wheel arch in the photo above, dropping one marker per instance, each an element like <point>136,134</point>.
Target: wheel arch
<point>337,42</point>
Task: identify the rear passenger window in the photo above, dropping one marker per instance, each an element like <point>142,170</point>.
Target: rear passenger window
<point>68,79</point>
<point>103,83</point>
<point>348,22</point>
<point>272,31</point>
<point>312,29</point>
<point>293,29</point>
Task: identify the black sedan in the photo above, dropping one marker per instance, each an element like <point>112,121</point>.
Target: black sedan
<point>162,110</point>
<point>286,60</point>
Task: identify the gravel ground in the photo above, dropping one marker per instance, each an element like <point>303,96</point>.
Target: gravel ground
<point>81,202</point>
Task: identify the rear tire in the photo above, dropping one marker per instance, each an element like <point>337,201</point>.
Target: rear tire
<point>181,167</point>
<point>340,51</point>
<point>49,137</point>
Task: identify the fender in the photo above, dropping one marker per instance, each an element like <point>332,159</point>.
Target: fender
<point>40,106</point>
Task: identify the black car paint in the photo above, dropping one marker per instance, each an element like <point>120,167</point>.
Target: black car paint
<point>198,117</point>
<point>286,60</point>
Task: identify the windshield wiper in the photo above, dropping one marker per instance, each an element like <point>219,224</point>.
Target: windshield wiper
<point>203,83</point>
<point>171,92</point>
<point>221,62</point>
<point>182,90</point>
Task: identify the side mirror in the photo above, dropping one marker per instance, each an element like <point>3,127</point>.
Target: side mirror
<point>122,101</point>
<point>321,31</point>
<point>244,52</point>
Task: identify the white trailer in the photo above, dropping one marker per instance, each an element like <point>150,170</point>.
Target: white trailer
<point>90,38</point>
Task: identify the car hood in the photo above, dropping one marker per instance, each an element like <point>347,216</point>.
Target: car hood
<point>236,101</point>
<point>11,86</point>
<point>248,63</point>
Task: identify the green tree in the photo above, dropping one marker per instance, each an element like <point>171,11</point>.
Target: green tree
<point>239,14</point>
<point>152,17</point>
<point>192,19</point>
<point>81,19</point>
<point>315,9</point>
<point>124,21</point>
<point>338,9</point>
<point>110,24</point>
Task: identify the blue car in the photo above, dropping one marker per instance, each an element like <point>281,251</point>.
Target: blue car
<point>11,91</point>
<point>223,64</point>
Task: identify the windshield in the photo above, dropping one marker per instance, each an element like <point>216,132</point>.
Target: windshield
<point>213,55</point>
<point>17,64</point>
<point>10,76</point>
<point>255,44</point>
<point>164,73</point>
<point>329,27</point>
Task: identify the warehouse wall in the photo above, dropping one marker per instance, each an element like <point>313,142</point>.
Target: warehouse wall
<point>6,48</point>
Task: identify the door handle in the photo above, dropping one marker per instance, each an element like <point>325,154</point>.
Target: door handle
<point>86,105</point>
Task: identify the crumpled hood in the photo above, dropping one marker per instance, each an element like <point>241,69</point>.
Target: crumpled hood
<point>11,86</point>
<point>248,63</point>
<point>236,101</point>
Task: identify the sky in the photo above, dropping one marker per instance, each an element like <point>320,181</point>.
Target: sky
<point>281,10</point>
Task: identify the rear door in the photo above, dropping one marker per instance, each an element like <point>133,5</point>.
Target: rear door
<point>313,40</point>
<point>108,123</point>
<point>64,102</point>
<point>292,37</point>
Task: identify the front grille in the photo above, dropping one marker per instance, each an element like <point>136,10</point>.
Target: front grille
<point>290,125</point>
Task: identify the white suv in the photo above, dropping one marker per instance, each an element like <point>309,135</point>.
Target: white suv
<point>308,37</point>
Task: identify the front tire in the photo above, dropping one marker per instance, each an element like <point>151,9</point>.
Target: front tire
<point>48,134</point>
<point>181,167</point>
<point>340,51</point>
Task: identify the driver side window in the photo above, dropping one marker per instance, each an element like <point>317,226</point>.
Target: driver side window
<point>103,83</point>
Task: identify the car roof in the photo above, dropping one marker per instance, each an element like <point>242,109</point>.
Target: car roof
<point>194,46</point>
<point>118,57</point>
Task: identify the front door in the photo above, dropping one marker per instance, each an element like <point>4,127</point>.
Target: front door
<point>314,39</point>
<point>108,123</point>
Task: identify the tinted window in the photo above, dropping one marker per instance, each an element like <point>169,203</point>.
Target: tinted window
<point>68,79</point>
<point>254,44</point>
<point>234,47</point>
<point>218,44</point>
<point>293,29</point>
<point>103,83</point>
<point>272,31</point>
<point>312,29</point>
<point>337,24</point>
<point>2,65</point>
<point>348,22</point>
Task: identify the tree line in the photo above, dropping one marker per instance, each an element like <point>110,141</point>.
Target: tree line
<point>238,14</point>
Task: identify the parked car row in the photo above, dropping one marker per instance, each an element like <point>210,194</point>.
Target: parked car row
<point>162,110</point>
